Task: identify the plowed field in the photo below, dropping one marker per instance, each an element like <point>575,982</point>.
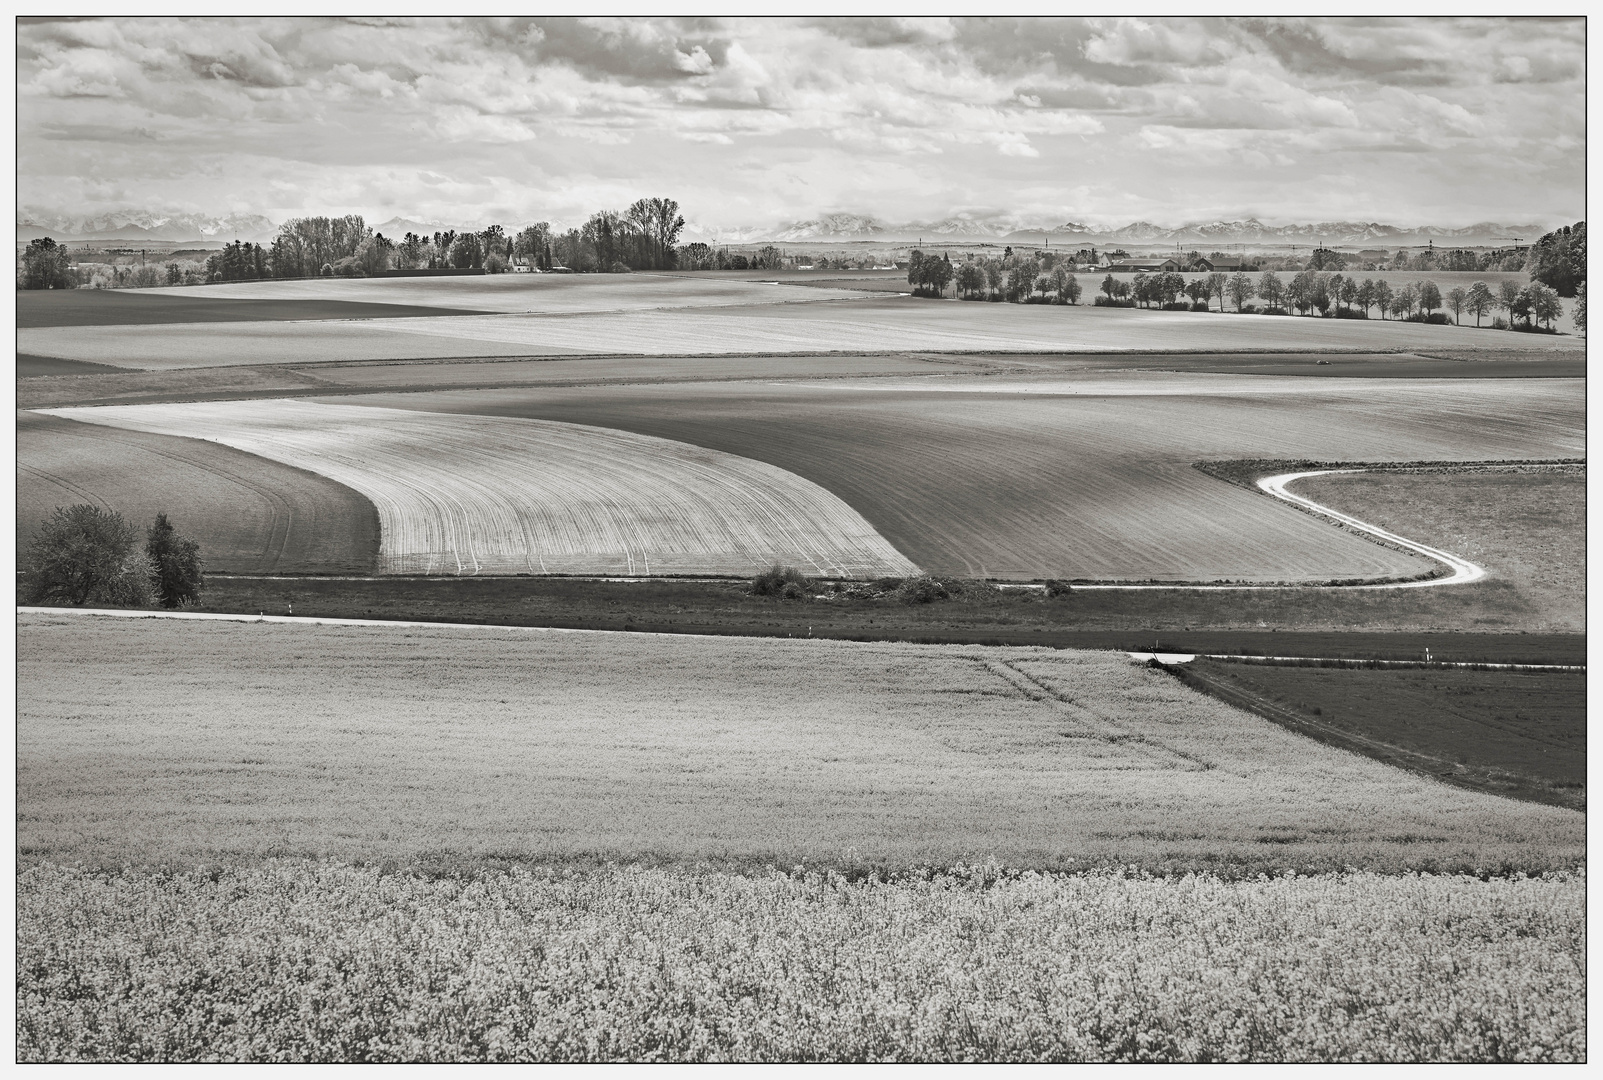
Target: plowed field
<point>879,324</point>
<point>1027,478</point>
<point>250,514</point>
<point>458,494</point>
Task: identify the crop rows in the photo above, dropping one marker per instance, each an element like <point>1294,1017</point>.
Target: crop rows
<point>1084,475</point>
<point>249,514</point>
<point>467,495</point>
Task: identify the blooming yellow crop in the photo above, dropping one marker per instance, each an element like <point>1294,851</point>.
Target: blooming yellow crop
<point>289,960</point>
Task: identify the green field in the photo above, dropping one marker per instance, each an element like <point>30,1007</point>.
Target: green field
<point>374,742</point>
<point>1515,733</point>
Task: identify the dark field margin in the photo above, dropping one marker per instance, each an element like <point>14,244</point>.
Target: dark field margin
<point>1396,366</point>
<point>1246,472</point>
<point>1179,622</point>
<point>33,367</point>
<point>121,386</point>
<point>115,307</point>
<point>1516,734</point>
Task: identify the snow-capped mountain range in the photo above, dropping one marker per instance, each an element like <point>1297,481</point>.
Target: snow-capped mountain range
<point>849,227</point>
<point>136,225</point>
<point>132,225</point>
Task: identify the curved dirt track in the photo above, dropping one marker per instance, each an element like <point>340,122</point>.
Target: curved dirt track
<point>1463,571</point>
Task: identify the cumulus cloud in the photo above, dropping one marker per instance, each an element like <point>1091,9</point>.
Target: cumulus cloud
<point>750,120</point>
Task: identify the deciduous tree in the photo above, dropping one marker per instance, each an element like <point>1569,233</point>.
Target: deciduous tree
<point>1383,297</point>
<point>1480,301</point>
<point>1241,290</point>
<point>46,265</point>
<point>1272,289</point>
<point>1544,304</point>
<point>1508,295</point>
<point>1430,297</point>
<point>1456,298</point>
<point>83,554</point>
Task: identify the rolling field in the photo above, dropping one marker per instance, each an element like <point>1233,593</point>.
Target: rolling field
<point>1089,477</point>
<point>249,514</point>
<point>1527,527</point>
<point>468,495</point>
<point>861,325</point>
<point>140,307</point>
<point>370,743</point>
<point>519,293</point>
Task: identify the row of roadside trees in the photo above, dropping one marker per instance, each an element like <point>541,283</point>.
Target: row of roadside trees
<point>1336,296</point>
<point>1039,279</point>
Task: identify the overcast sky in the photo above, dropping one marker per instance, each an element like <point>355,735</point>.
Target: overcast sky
<point>1407,122</point>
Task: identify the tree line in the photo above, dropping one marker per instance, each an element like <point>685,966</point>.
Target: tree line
<point>643,237</point>
<point>1042,277</point>
<point>1310,292</point>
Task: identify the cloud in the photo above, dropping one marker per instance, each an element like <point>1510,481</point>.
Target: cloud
<point>785,118</point>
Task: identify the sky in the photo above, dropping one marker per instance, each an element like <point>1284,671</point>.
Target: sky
<point>759,122</point>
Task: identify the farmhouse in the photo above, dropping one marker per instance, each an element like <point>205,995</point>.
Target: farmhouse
<point>1143,266</point>
<point>1222,263</point>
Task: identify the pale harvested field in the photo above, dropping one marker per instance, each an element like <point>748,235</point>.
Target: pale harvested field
<point>249,514</point>
<point>1526,528</point>
<point>1082,475</point>
<point>889,325</point>
<point>467,495</point>
<point>520,293</point>
<point>165,739</point>
<point>294,960</point>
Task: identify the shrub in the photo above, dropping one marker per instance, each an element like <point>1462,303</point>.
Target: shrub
<point>495,264</point>
<point>921,590</point>
<point>1056,588</point>
<point>1200,306</point>
<point>1499,323</point>
<point>1178,305</point>
<point>1351,313</point>
<point>1103,301</point>
<point>83,554</point>
<point>785,582</point>
<point>1249,309</point>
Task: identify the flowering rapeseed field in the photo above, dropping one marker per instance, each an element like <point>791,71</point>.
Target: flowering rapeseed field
<point>315,960</point>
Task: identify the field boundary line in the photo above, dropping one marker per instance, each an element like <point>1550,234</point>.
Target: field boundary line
<point>219,616</point>
<point>1249,660</point>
